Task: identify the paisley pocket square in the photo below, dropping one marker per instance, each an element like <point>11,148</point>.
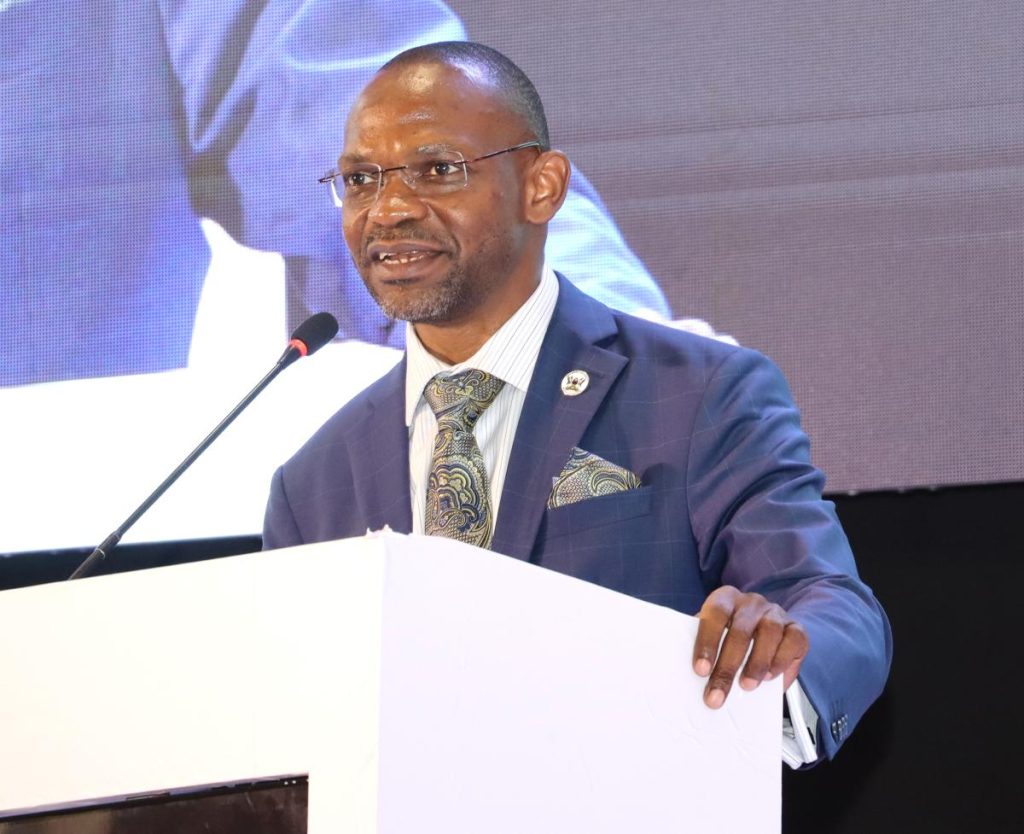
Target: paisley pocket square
<point>586,475</point>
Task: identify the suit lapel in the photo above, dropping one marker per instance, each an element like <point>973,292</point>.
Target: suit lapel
<point>379,455</point>
<point>552,423</point>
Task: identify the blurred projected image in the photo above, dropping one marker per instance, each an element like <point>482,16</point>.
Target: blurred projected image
<point>123,125</point>
<point>840,188</point>
<point>163,230</point>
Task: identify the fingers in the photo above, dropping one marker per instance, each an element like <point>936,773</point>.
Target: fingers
<point>769,637</point>
<point>793,669</point>
<point>743,625</point>
<point>779,643</point>
<point>714,617</point>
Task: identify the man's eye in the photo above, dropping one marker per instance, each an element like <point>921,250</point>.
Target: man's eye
<point>442,169</point>
<point>357,179</point>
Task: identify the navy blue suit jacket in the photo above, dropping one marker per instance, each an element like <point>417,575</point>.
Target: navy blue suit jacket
<point>728,493</point>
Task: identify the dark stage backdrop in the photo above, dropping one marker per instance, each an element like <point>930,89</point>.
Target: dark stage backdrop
<point>838,185</point>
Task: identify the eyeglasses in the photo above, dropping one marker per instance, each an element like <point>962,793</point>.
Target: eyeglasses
<point>434,175</point>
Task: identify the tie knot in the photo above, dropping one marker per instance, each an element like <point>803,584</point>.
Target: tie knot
<point>459,400</point>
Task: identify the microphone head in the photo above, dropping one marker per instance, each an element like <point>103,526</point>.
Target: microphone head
<point>314,333</point>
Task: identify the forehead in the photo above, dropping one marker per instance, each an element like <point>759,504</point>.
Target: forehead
<point>407,108</point>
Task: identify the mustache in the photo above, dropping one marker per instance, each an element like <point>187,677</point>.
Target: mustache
<point>406,234</point>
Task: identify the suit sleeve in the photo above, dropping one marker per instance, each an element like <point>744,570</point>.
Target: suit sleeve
<point>585,244</point>
<point>763,526</point>
<point>279,526</point>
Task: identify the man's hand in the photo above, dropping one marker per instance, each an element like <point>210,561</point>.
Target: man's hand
<point>780,643</point>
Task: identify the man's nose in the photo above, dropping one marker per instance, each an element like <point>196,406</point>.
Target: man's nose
<point>396,201</point>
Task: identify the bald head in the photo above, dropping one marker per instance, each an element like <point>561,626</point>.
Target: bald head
<point>488,68</point>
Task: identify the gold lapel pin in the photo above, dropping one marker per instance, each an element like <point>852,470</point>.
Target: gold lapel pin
<point>575,383</point>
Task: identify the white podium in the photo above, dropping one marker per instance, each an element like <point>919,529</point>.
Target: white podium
<point>423,686</point>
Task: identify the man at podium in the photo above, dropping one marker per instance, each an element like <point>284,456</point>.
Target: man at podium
<point>528,418</point>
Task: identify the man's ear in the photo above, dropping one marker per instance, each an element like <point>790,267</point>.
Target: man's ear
<point>546,186</point>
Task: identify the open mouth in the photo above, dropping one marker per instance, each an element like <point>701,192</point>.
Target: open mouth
<point>402,258</point>
<point>401,252</point>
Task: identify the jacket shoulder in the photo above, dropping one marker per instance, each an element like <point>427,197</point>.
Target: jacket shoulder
<point>352,416</point>
<point>641,338</point>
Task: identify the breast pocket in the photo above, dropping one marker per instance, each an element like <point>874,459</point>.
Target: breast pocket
<point>606,540</point>
<point>594,513</point>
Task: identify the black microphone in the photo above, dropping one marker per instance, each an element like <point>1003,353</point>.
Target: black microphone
<point>308,338</point>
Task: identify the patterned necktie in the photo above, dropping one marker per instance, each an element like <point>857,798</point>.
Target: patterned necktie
<point>458,491</point>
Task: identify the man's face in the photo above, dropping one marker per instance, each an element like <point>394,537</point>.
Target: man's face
<point>437,258</point>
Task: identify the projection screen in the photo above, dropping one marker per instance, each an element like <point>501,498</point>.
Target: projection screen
<point>837,185</point>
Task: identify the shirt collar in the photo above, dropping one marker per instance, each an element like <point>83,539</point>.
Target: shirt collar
<point>509,354</point>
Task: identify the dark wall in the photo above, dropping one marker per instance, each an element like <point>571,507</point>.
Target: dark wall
<point>938,752</point>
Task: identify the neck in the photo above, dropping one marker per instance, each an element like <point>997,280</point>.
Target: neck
<point>452,344</point>
<point>456,340</point>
